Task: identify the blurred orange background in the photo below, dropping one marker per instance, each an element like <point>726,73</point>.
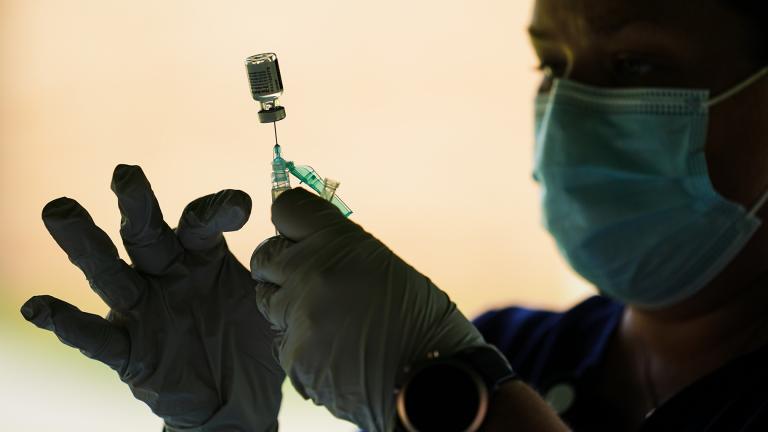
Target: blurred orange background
<point>423,111</point>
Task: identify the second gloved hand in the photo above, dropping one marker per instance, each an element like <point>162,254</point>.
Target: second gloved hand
<point>351,312</point>
<point>183,331</point>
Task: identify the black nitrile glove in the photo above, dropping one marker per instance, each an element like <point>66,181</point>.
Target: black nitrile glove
<point>183,331</point>
<point>352,314</point>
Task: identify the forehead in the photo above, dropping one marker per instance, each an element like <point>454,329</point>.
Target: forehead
<point>607,16</point>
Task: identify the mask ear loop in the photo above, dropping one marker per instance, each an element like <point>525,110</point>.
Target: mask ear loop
<point>728,93</point>
<point>548,109</point>
<point>539,146</point>
<point>738,87</point>
<point>760,203</point>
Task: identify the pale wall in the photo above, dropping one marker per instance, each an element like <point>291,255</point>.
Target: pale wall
<point>422,109</point>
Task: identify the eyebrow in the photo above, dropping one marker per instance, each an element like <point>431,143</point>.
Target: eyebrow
<point>605,29</point>
<point>539,33</point>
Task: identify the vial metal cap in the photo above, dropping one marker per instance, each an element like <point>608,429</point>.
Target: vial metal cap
<point>270,116</point>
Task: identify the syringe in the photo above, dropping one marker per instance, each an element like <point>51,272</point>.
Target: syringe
<point>280,180</point>
<point>266,87</point>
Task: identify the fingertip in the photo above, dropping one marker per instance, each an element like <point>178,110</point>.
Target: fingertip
<point>235,212</point>
<point>62,207</point>
<point>125,176</point>
<point>60,213</point>
<point>298,213</point>
<point>121,170</point>
<point>291,196</point>
<point>226,210</point>
<point>264,255</point>
<point>124,168</point>
<point>37,311</point>
<point>242,199</point>
<point>27,311</point>
<point>204,220</point>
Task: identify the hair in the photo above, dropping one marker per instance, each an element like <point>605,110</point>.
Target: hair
<point>756,12</point>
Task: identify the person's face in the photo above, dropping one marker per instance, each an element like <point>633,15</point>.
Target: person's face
<point>700,44</point>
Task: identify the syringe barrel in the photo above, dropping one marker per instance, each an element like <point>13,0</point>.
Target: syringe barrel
<point>280,179</point>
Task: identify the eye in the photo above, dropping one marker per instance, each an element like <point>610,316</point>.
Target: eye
<point>554,70</point>
<point>549,73</point>
<point>632,66</point>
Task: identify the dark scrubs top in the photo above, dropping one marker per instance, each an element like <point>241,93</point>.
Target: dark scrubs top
<point>558,354</point>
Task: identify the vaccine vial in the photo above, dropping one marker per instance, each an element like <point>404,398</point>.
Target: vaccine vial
<point>266,85</point>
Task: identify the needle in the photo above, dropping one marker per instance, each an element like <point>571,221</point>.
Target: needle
<point>275,124</point>
<point>277,147</point>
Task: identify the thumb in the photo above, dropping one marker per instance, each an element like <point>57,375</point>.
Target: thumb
<point>297,214</point>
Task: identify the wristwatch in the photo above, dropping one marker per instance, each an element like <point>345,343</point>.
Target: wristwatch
<point>450,393</point>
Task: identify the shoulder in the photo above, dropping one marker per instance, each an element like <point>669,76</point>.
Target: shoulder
<point>542,344</point>
<point>732,398</point>
<point>550,349</point>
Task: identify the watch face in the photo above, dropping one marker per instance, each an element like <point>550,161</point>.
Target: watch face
<point>443,395</point>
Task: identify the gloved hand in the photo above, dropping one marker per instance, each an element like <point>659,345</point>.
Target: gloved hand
<point>183,331</point>
<point>351,312</point>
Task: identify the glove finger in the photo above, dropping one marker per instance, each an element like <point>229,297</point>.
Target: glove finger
<point>297,214</point>
<point>264,294</point>
<point>265,263</point>
<point>205,219</point>
<point>150,242</point>
<point>91,334</point>
<point>267,269</point>
<point>91,250</point>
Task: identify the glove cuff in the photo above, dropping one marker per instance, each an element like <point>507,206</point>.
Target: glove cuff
<point>166,428</point>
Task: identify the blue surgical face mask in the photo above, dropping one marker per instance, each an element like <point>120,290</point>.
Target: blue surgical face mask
<point>626,193</point>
